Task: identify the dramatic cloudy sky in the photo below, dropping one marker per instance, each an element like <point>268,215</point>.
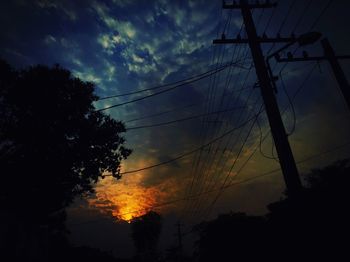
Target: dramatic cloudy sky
<point>126,46</point>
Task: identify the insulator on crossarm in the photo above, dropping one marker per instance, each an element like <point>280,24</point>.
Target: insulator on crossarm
<point>305,54</point>
<point>290,55</point>
<point>223,36</point>
<point>239,37</point>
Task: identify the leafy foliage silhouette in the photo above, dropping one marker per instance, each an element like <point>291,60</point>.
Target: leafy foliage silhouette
<point>310,226</point>
<point>146,230</point>
<point>54,146</point>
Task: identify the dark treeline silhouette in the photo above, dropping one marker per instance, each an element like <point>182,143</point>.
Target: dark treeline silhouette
<point>314,225</point>
<point>54,146</point>
<point>146,230</point>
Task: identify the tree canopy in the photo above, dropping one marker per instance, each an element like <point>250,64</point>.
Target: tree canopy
<point>146,230</point>
<point>310,226</point>
<point>54,145</point>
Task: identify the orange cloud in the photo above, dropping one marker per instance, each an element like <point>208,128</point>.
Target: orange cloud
<point>128,197</point>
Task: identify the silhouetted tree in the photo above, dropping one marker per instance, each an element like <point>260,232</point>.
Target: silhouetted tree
<point>230,237</point>
<point>316,222</point>
<point>54,145</point>
<point>313,225</point>
<point>146,230</point>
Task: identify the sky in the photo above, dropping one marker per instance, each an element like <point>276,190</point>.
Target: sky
<point>127,46</point>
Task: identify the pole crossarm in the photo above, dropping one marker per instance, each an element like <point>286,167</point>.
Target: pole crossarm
<point>262,40</point>
<point>235,5</point>
<point>305,59</point>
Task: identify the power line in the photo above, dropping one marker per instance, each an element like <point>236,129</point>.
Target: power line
<point>262,139</point>
<point>161,113</point>
<point>291,99</point>
<point>284,88</point>
<point>176,109</point>
<point>301,17</point>
<point>290,8</point>
<point>221,162</point>
<point>210,159</point>
<point>185,119</point>
<point>161,86</point>
<point>270,19</point>
<point>190,152</point>
<point>200,172</point>
<point>204,131</point>
<point>227,83</point>
<point>196,164</point>
<point>235,161</point>
<point>330,150</point>
<point>167,90</point>
<point>321,14</point>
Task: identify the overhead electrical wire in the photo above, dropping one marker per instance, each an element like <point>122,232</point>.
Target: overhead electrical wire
<point>290,8</point>
<point>291,103</point>
<point>165,90</point>
<point>177,109</point>
<point>284,88</point>
<point>204,131</point>
<point>210,160</point>
<point>161,86</point>
<point>270,19</point>
<point>261,141</point>
<point>203,160</point>
<point>294,95</point>
<point>187,153</point>
<point>324,10</point>
<point>206,169</point>
<point>325,152</point>
<point>184,119</point>
<point>235,160</point>
<point>301,17</point>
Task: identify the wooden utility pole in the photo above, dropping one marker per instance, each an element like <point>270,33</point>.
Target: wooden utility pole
<point>285,155</point>
<point>333,59</point>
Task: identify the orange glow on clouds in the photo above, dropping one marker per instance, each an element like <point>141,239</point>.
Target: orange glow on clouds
<point>128,198</point>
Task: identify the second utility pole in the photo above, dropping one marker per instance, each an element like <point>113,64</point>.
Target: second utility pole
<point>285,155</point>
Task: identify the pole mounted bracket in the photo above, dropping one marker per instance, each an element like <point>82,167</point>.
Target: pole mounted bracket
<point>304,59</point>
<point>262,40</point>
<point>235,5</point>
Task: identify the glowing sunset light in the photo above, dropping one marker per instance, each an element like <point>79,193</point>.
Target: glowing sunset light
<point>128,197</point>
<point>123,200</point>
